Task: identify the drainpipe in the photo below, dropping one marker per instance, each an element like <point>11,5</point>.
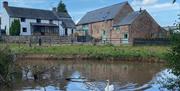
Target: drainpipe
<point>110,34</point>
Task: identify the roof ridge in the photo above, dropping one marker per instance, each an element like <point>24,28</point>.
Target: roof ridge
<point>29,8</point>
<point>109,6</point>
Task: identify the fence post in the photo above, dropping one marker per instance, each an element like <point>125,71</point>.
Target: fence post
<point>40,41</point>
<point>50,41</point>
<point>18,40</point>
<point>30,42</point>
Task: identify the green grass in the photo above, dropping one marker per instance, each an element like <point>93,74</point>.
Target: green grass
<point>94,51</point>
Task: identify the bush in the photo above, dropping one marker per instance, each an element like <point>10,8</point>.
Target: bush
<point>174,61</point>
<point>174,54</point>
<point>6,64</point>
<point>15,28</point>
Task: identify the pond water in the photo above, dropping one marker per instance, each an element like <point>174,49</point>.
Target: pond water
<point>36,75</point>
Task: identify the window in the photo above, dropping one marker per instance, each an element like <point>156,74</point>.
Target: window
<point>24,29</point>
<point>104,32</point>
<point>5,28</point>
<point>125,36</point>
<point>51,21</point>
<point>38,20</point>
<point>66,32</point>
<point>72,31</point>
<point>85,27</point>
<point>23,19</point>
<point>117,28</point>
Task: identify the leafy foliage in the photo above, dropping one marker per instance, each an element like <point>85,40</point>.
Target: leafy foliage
<point>62,7</point>
<point>174,54</point>
<point>15,28</point>
<point>174,60</point>
<point>174,1</point>
<point>6,62</point>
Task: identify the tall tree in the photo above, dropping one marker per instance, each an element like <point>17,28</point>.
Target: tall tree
<point>61,7</point>
<point>15,28</point>
<point>174,1</point>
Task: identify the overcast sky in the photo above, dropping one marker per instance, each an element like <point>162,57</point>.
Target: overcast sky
<point>163,11</point>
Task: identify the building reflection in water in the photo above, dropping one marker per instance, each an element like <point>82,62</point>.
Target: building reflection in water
<point>90,75</point>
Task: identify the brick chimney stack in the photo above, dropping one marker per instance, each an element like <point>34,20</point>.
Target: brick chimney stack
<point>5,4</point>
<point>140,10</point>
<point>54,9</point>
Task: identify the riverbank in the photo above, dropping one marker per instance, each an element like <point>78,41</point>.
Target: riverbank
<point>140,53</point>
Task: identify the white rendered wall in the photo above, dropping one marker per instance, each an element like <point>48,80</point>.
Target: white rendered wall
<point>27,24</point>
<point>5,21</point>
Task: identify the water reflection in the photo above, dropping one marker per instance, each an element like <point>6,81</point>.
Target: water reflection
<point>87,75</point>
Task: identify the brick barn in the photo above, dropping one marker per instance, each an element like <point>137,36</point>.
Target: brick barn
<point>119,24</point>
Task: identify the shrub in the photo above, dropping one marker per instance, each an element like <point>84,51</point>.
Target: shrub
<point>15,28</point>
<point>6,64</point>
<point>174,60</point>
<point>174,54</point>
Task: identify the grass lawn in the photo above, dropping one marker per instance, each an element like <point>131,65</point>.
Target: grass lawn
<point>94,51</point>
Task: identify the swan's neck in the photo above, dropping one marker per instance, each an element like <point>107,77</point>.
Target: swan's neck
<point>108,85</point>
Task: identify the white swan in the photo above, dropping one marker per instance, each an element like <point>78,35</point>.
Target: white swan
<point>109,87</point>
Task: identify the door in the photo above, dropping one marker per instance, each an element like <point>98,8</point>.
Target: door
<point>125,39</point>
<point>66,32</point>
<point>104,37</point>
<point>72,31</point>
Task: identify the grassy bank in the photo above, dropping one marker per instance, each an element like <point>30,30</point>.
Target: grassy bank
<point>94,51</point>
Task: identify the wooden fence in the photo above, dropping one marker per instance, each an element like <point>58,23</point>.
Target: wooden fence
<point>155,41</point>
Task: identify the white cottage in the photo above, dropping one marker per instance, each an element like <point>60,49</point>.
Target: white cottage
<point>37,22</point>
<point>0,23</point>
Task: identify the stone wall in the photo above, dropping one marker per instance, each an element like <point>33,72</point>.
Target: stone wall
<point>35,39</point>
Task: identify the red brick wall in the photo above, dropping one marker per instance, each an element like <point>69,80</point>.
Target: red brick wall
<point>123,13</point>
<point>117,35</point>
<point>96,29</point>
<point>144,27</point>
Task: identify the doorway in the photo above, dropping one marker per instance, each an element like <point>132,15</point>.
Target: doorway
<point>66,32</point>
<point>125,39</point>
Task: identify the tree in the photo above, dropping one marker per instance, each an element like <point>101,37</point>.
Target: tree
<point>174,1</point>
<point>15,28</point>
<point>61,7</point>
<point>174,60</point>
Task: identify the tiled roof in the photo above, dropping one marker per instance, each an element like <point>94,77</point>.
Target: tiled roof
<point>63,15</point>
<point>18,12</point>
<point>68,23</point>
<point>129,19</point>
<point>102,14</point>
<point>31,13</point>
<point>44,24</point>
<point>66,19</point>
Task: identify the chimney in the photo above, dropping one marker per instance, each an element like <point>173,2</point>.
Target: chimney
<point>5,4</point>
<point>54,9</point>
<point>140,10</point>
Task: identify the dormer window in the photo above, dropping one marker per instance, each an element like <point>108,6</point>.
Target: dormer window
<point>38,20</point>
<point>50,21</point>
<point>23,19</point>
